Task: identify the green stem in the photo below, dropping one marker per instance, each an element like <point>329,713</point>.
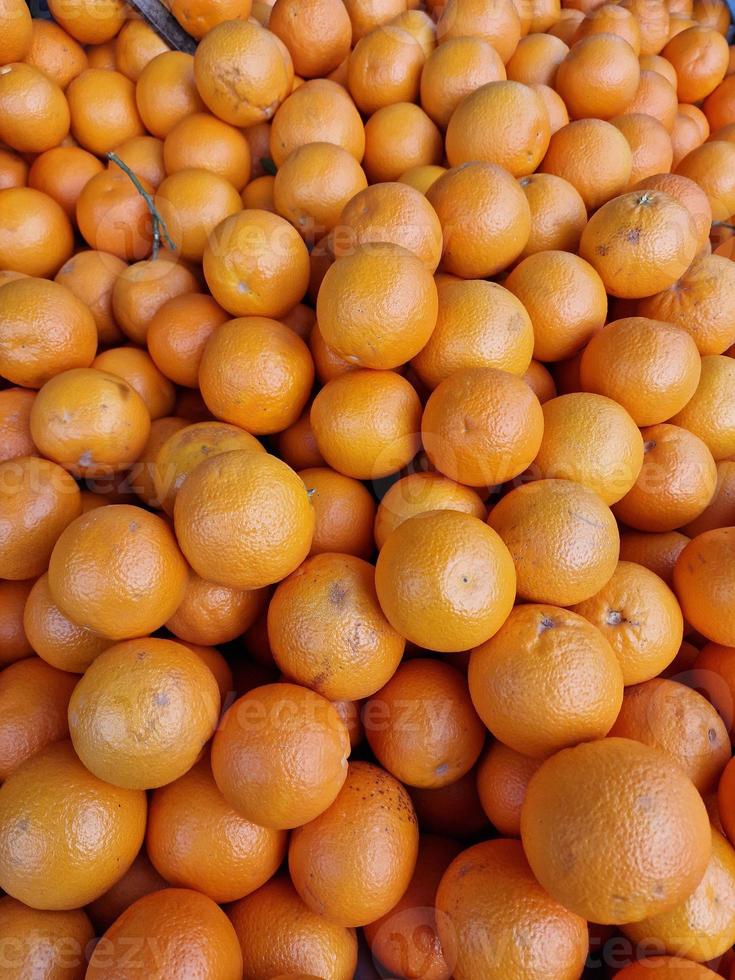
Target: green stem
<point>159,225</point>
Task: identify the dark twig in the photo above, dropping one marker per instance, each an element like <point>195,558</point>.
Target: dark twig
<point>159,225</point>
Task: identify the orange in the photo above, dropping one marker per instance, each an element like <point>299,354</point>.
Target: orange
<point>638,615</point>
<point>558,214</point>
<point>67,427</point>
<point>15,428</point>
<point>712,674</point>
<point>101,55</point>
<point>398,137</point>
<point>653,22</point>
<point>485,219</point>
<point>277,933</point>
<point>562,537</point>
<point>192,203</point>
<point>142,289</point>
<point>652,713</point>
<point>702,926</point>
<point>540,381</point>
<point>648,366</point>
<point>53,942</point>
<point>54,857</point>
<point>14,642</point>
<point>655,97</point>
<point>38,499</point>
<point>35,234</point>
<point>720,512</point>
<point>210,614</point>
<point>536,59</point>
<point>150,685</point>
<point>666,968</point>
<point>700,57</point>
<point>515,115</point>
<point>136,45</point>
<point>13,169</point>
<point>17,30</point>
<point>419,493</point>
<point>173,926</point>
<point>640,243</point>
<point>144,156</point>
<point>103,110</point>
<point>327,362</point>
<point>365,15</point>
<point>676,483</point>
<point>243,520</point>
<point>565,298</point>
<point>429,734</point>
<point>592,440</point>
<point>725,795</point>
<point>482,426</point>
<point>384,68</point>
<point>498,24</point>
<point>405,939</point>
<point>649,143</point>
<point>371,805</point>
<point>656,62</point>
<point>709,165</point>
<point>258,194</point>
<point>46,330</point>
<point>198,841</point>
<point>242,72</point>
<point>55,53</point>
<point>318,111</point>
<point>34,115</point>
<point>696,115</point>
<point>280,755</point>
<point>719,105</point>
<point>686,192</point>
<point>502,779</point>
<point>165,92</point>
<point>712,13</point>
<point>599,77</point>
<point>199,17</point>
<point>634,859</point>
<point>452,810</point>
<point>140,879</point>
<point>490,890</point>
<point>299,191</point>
<point>318,34</point>
<point>136,367</point>
<point>445,580</point>
<point>255,263</point>
<point>457,67</point>
<point>545,681</point>
<point>178,333</point>
<point>113,217</point>
<point>611,19</point>
<point>704,584</point>
<point>327,631</point>
<point>344,513</point>
<point>569,20</point>
<point>296,445</point>
<point>367,424</point>
<point>369,334</point>
<point>216,663</point>
<point>61,173</point>
<point>710,413</point>
<point>593,156</point>
<point>201,140</point>
<point>264,401</point>
<point>185,450</point>
<point>88,21</point>
<point>555,108</point>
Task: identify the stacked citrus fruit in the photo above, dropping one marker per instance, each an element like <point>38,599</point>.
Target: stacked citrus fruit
<point>367,491</point>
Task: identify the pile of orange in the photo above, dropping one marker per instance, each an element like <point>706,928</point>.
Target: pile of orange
<point>367,491</point>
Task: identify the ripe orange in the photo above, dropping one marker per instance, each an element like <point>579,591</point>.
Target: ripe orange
<point>210,614</point>
<point>344,512</point>
<point>710,166</point>
<point>327,631</point>
<point>140,879</point>
<point>490,890</point>
<point>192,203</point>
<point>318,34</point>
<point>113,217</point>
<point>243,520</point>
<point>165,92</point>
<point>458,66</point>
<point>34,115</point>
<point>136,367</point>
<point>17,31</point>
<point>201,140</point>
<point>454,810</point>
<point>397,137</point>
<point>655,97</point>
<point>61,173</point>
<point>686,192</point>
<point>611,19</point>
<point>536,59</point>
<point>710,413</point>
<point>14,642</point>
<point>649,142</point>
<point>142,288</point>
<point>720,512</point>
<point>599,77</point>
<point>502,779</point>
<point>700,58</point>
<point>499,24</point>
<point>296,445</point>
<point>136,45</point>
<point>201,16</point>
<point>13,169</point>
<point>704,584</point>
<point>384,68</point>
<point>36,236</point>
<point>558,214</point>
<point>653,22</point>
<point>144,156</point>
<point>593,156</point>
<point>178,332</point>
<point>626,865</point>
<point>54,857</point>
<point>54,942</point>
<point>103,110</point>
<point>88,21</point>
<point>320,110</point>
<point>445,567</point>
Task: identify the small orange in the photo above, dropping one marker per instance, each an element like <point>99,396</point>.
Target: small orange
<point>344,513</point>
<point>258,194</point>
<point>558,214</point>
<point>318,111</point>
<point>419,493</point>
<point>599,77</point>
<point>710,413</point>
<point>199,17</point>
<point>720,512</point>
<point>327,362</point>
<point>540,381</point>
<point>458,66</point>
<point>676,483</point>
<point>113,217</point>
<point>318,34</point>
<point>712,13</point>
<point>88,21</point>
<point>165,92</point>
<point>445,567</point>
<point>452,810</point>
<point>17,31</point>
<point>101,55</point>
<point>220,669</point>
<point>384,68</point>
<point>140,879</point>
<point>685,137</point>
<point>136,367</point>
<point>536,59</point>
<point>296,445</point>
<point>502,779</point>
<point>54,857</point>
<point>14,642</point>
<point>36,236</point>
<point>719,106</point>
<point>210,614</point>
<point>367,423</point>
<point>653,22</point>
<point>178,333</point>
<point>704,584</point>
<point>136,45</point>
<point>55,942</point>
<point>700,57</point>
<point>696,115</point>
<point>90,275</point>
<point>649,143</point>
<point>397,137</point>
<point>202,140</point>
<point>55,53</point>
<point>568,23</point>
<point>34,115</point>
<point>243,520</point>
<point>593,156</point>
<point>15,423</point>
<point>142,289</point>
<point>61,173</point>
<point>192,203</point>
<point>656,62</point>
<point>103,110</point>
<point>498,24</point>
<point>366,15</point>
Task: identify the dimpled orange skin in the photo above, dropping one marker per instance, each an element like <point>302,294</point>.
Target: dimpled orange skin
<point>278,932</point>
<point>140,879</point>
<point>428,733</point>
<point>256,373</point>
<point>710,413</point>
<point>211,614</point>
<point>482,426</point>
<point>244,520</point>
<point>318,110</point>
<point>173,929</point>
<point>720,512</point>
<point>328,632</point>
<point>196,840</point>
<point>69,425</point>
<point>33,705</point>
<point>486,896</point>
<point>156,687</point>
<point>65,836</point>
<point>558,213</point>
<point>38,500</point>
<point>118,571</point>
<point>704,582</point>
<point>444,582</point>
<point>52,942</point>
<point>279,756</point>
<point>499,24</point>
<point>373,806</point>
<point>421,492</point>
<point>34,114</point>
<point>646,838</point>
<point>666,968</point>
<point>485,219</point>
<point>36,237</point>
<point>367,423</point>
<point>554,670</point>
<point>137,368</point>
<point>686,192</point>
<point>599,77</point>
<point>256,264</point>
<point>344,513</point>
<point>502,778</point>
<point>15,423</point>
<point>178,333</point>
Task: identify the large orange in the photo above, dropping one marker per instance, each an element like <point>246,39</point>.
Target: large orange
<point>317,34</point>
<point>418,493</point>
<point>34,115</point>
<point>646,838</point>
<point>36,236</point>
<point>384,68</point>
<point>650,144</point>
<point>103,110</point>
<point>700,60</point>
<point>499,23</point>
<point>558,213</point>
<point>599,77</point>
<point>398,137</point>
<point>53,942</point>
<point>458,66</point>
<point>593,156</point>
<point>113,217</point>
<point>202,140</point>
<point>319,110</point>
<point>192,202</point>
<point>89,21</point>
<point>536,59</point>
<point>704,581</point>
<point>344,512</point>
